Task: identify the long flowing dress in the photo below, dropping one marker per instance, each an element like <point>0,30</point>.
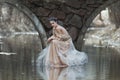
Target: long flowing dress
<point>61,51</point>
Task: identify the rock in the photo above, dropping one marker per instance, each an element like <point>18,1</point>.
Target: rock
<point>90,1</point>
<point>33,0</point>
<point>58,14</point>
<point>76,21</point>
<point>73,3</point>
<point>73,31</point>
<point>50,6</point>
<point>42,11</point>
<point>68,18</point>
<point>37,3</point>
<point>46,22</point>
<point>65,9</point>
<point>49,33</point>
<point>93,5</point>
<point>56,2</point>
<point>82,12</point>
<point>80,41</point>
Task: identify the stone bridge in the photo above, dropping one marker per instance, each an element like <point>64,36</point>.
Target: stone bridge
<point>76,15</point>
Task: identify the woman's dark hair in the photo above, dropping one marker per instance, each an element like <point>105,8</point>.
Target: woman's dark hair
<point>53,19</point>
<point>56,20</point>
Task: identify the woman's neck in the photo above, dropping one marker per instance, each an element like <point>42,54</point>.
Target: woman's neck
<point>55,27</point>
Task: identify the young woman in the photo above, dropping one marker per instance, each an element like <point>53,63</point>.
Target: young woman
<point>60,52</point>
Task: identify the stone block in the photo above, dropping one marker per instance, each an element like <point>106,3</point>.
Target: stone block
<point>45,21</point>
<point>58,14</point>
<point>73,3</point>
<point>90,10</point>
<point>90,1</point>
<point>37,3</point>
<point>76,21</point>
<point>80,12</point>
<point>50,6</point>
<point>68,18</point>
<point>73,31</point>
<point>65,8</point>
<point>58,3</point>
<point>80,41</point>
<point>93,5</point>
<point>33,0</point>
<point>42,11</point>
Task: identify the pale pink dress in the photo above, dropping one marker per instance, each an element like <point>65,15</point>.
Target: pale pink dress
<point>61,51</point>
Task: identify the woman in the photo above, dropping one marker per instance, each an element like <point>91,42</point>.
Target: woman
<point>60,52</point>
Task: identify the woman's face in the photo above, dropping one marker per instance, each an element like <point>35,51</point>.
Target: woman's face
<point>53,23</point>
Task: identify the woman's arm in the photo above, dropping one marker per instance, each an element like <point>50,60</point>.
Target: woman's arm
<point>50,38</point>
<point>63,34</point>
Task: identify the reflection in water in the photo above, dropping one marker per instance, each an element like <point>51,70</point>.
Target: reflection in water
<point>69,73</point>
<point>6,53</point>
<point>104,63</point>
<point>17,52</point>
<point>19,44</point>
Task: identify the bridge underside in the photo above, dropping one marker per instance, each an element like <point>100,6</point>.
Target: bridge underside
<point>76,15</point>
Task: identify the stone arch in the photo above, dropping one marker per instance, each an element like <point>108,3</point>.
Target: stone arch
<point>97,11</point>
<point>89,21</point>
<point>32,17</point>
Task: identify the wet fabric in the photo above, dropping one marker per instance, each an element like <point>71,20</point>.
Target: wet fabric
<point>61,51</point>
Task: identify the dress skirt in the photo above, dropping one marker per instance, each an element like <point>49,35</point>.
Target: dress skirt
<point>60,53</point>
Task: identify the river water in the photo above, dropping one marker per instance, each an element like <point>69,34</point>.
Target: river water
<point>17,63</point>
<point>103,63</point>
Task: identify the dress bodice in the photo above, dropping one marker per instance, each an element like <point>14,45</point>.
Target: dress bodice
<point>61,35</point>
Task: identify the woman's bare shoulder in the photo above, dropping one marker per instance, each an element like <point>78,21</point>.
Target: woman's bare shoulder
<point>61,28</point>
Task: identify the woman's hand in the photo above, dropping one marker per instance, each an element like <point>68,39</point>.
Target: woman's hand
<point>50,39</point>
